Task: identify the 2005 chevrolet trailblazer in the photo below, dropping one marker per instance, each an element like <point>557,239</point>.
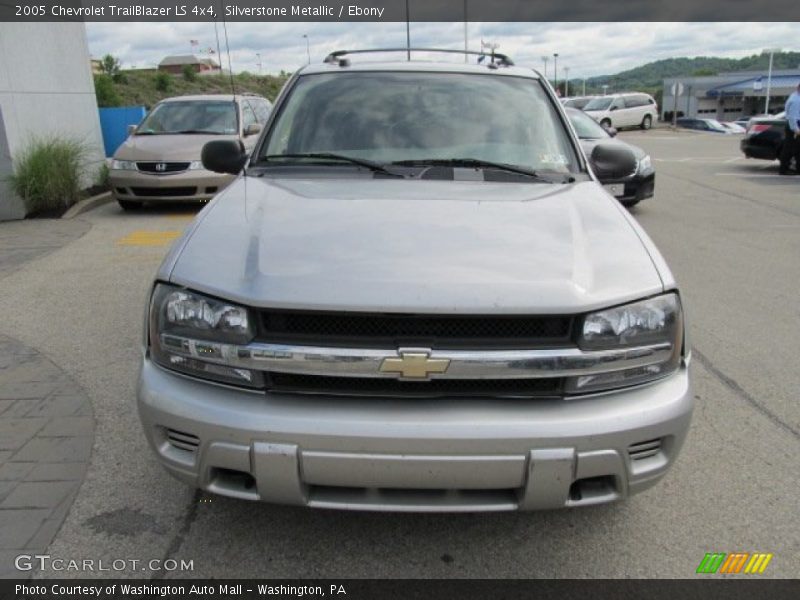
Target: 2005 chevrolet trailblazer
<point>416,296</point>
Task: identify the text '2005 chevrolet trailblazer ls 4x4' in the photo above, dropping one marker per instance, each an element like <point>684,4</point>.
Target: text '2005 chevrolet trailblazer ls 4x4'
<point>416,296</point>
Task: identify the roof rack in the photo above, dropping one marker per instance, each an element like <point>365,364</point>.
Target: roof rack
<point>338,57</point>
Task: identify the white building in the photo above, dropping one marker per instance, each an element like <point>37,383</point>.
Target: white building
<point>729,96</point>
<point>46,88</point>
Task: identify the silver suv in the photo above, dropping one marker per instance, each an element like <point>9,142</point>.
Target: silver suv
<point>416,296</point>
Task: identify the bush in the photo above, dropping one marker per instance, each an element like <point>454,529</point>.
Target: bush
<point>163,81</point>
<point>101,179</point>
<point>47,173</point>
<point>189,74</point>
<point>106,92</point>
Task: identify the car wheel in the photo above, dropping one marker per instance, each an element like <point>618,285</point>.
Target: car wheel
<point>647,122</point>
<point>130,204</point>
<point>606,123</point>
<point>629,203</point>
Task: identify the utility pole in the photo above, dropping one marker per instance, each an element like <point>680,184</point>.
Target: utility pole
<point>545,59</point>
<point>258,58</point>
<point>555,70</point>
<point>308,49</point>
<point>584,86</point>
<point>769,79</point>
<point>408,33</point>
<point>465,31</point>
<point>566,82</point>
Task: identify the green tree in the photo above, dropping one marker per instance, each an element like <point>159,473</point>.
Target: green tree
<point>106,92</point>
<point>163,81</point>
<point>189,73</point>
<point>113,68</point>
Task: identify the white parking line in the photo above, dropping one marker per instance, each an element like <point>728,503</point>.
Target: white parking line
<point>751,175</point>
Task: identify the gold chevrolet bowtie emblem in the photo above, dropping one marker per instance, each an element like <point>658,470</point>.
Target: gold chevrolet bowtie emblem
<point>414,365</point>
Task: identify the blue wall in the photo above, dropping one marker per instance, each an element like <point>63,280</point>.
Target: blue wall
<point>114,125</point>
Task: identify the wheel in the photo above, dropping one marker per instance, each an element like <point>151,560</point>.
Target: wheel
<point>606,123</point>
<point>629,203</point>
<point>130,204</point>
<point>647,122</point>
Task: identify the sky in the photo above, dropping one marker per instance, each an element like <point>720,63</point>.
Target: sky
<point>586,49</point>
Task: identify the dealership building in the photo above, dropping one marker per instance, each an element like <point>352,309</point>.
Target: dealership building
<point>46,90</point>
<point>729,96</point>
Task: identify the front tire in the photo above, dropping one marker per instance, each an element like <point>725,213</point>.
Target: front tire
<point>130,204</point>
<point>629,203</point>
<point>605,123</point>
<point>647,122</point>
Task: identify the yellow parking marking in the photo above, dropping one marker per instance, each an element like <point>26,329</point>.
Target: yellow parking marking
<point>142,237</point>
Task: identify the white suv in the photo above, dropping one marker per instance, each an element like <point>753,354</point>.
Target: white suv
<point>623,110</point>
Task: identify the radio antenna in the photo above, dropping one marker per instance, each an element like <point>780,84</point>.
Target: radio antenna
<point>227,48</point>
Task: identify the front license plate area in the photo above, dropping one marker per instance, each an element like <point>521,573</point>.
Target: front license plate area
<point>615,189</point>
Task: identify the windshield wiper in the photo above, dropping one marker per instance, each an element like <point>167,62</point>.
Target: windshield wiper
<point>362,162</point>
<point>471,162</point>
<point>195,131</point>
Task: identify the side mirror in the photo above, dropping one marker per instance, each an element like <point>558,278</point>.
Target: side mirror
<point>614,108</point>
<point>131,129</point>
<point>252,129</point>
<point>224,156</point>
<point>612,161</point>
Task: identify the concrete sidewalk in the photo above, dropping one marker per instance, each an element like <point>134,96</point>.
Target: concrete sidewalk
<point>46,422</point>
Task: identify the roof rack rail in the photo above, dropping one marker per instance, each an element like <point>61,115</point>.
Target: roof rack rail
<point>338,56</point>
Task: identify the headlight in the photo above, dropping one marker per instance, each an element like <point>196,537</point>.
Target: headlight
<point>645,164</point>
<point>655,324</point>
<point>196,165</point>
<point>123,165</point>
<point>190,333</point>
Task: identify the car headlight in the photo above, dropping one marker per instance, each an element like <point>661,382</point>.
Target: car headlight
<point>196,165</point>
<point>192,333</point>
<point>645,164</point>
<point>123,165</point>
<point>655,326</point>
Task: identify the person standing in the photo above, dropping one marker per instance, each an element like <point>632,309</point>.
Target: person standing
<point>791,142</point>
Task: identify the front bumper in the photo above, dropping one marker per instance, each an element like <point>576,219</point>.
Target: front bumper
<point>185,186</point>
<point>414,454</point>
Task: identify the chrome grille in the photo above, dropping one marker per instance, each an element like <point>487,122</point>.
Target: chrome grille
<point>162,166</point>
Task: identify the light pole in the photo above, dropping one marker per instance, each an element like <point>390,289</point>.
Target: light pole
<point>465,31</point>
<point>258,58</point>
<point>771,51</point>
<point>584,86</point>
<point>408,32</point>
<point>308,49</point>
<point>545,59</point>
<point>605,87</point>
<point>555,70</point>
<point>566,82</point>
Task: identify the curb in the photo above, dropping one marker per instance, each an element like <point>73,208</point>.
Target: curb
<point>87,205</point>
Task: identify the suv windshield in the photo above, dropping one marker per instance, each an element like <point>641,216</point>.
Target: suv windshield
<point>191,116</point>
<point>599,104</point>
<point>586,127</point>
<point>393,117</point>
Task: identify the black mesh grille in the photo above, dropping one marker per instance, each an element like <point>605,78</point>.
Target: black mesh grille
<point>162,167</point>
<point>171,192</point>
<point>361,329</point>
<point>365,386</point>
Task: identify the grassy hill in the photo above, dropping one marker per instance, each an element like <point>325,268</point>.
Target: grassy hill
<point>147,87</point>
<point>649,78</point>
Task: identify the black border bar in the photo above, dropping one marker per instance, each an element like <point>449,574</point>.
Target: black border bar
<point>395,10</point>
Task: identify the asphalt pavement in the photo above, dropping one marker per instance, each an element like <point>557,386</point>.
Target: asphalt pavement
<point>730,230</point>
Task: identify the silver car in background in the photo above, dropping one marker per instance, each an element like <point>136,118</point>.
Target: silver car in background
<point>416,296</point>
<point>160,160</point>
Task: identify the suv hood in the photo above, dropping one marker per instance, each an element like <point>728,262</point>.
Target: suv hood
<point>389,245</point>
<point>178,146</point>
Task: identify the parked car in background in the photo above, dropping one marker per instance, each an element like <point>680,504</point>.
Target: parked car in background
<point>160,160</point>
<point>743,122</point>
<point>707,125</point>
<point>764,137</point>
<point>623,110</point>
<point>576,101</point>
<point>628,189</point>
<point>733,126</point>
<point>416,296</point>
